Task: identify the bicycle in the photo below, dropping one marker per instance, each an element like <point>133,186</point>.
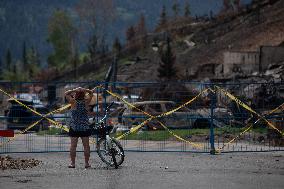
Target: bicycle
<point>109,149</point>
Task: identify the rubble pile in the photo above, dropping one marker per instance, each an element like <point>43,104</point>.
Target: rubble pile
<point>8,162</point>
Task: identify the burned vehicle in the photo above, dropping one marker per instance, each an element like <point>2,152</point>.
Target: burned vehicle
<point>183,118</point>
<point>19,117</point>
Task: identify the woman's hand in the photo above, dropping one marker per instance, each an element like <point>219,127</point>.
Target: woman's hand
<point>79,89</point>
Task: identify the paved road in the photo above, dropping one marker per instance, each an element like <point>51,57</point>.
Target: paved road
<point>148,171</point>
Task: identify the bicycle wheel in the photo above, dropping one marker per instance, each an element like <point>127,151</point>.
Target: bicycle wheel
<point>113,153</point>
<point>107,155</point>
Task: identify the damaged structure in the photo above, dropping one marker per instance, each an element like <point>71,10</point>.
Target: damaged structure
<point>246,63</point>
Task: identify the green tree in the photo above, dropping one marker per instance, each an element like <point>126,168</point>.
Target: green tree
<point>103,46</point>
<point>226,5</point>
<point>61,34</point>
<point>24,55</point>
<point>33,62</point>
<point>16,73</point>
<point>75,63</point>
<point>8,62</point>
<point>130,33</point>
<point>93,47</point>
<point>116,47</point>
<point>130,36</point>
<point>163,17</point>
<point>1,69</point>
<point>175,9</point>
<point>167,70</point>
<point>187,10</point>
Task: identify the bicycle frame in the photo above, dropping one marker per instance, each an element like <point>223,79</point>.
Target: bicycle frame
<point>102,123</point>
<point>110,144</point>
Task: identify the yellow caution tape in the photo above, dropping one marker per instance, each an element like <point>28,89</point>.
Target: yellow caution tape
<point>249,109</point>
<point>34,124</point>
<point>37,113</point>
<point>134,129</point>
<point>32,110</point>
<point>248,128</point>
<point>180,138</point>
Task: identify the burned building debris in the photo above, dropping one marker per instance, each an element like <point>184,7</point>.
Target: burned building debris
<point>244,63</point>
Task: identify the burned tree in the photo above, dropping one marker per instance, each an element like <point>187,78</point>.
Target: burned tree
<point>141,32</point>
<point>187,12</point>
<point>163,21</point>
<point>167,70</point>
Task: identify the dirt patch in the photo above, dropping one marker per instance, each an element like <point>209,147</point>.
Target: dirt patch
<point>8,162</point>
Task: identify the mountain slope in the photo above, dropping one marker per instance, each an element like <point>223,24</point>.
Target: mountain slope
<point>244,33</point>
<point>26,21</point>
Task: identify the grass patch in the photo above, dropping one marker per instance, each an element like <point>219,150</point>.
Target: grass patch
<point>52,131</point>
<point>164,135</point>
<point>261,130</point>
<point>125,61</point>
<point>186,133</point>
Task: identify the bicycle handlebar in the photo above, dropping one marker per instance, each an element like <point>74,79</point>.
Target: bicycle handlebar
<point>106,114</point>
<point>107,108</point>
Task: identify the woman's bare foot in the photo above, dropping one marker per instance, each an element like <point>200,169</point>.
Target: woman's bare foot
<point>71,166</point>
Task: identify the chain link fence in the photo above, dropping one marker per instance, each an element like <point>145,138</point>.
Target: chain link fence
<point>185,116</point>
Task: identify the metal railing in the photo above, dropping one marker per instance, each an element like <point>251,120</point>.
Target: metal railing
<point>182,116</point>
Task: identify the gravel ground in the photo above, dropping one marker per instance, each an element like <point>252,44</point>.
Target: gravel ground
<point>152,170</point>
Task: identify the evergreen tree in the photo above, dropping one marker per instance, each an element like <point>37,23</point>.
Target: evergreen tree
<point>103,47</point>
<point>25,61</point>
<point>33,62</point>
<point>15,65</point>
<point>226,5</point>
<point>167,70</point>
<point>175,8</point>
<point>116,47</point>
<point>16,73</point>
<point>130,43</point>
<point>75,63</point>
<point>142,31</point>
<point>130,34</point>
<point>93,47</point>
<point>163,18</point>
<point>187,10</point>
<point>211,15</point>
<point>1,69</point>
<point>237,5</point>
<point>8,62</point>
<point>141,26</point>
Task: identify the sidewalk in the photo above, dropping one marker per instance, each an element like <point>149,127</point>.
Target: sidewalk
<point>34,143</point>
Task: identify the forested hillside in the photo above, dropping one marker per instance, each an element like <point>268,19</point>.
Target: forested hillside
<point>27,21</point>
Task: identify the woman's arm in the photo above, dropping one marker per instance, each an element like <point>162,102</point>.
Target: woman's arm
<point>90,96</point>
<point>69,97</point>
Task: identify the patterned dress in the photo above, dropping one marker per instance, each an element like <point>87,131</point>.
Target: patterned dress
<point>79,122</point>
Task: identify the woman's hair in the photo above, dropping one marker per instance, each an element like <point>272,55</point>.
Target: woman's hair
<point>80,95</point>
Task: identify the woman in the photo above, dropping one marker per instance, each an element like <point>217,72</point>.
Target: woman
<point>79,99</point>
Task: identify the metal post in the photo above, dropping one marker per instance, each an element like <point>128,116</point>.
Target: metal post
<point>115,71</point>
<point>212,106</point>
